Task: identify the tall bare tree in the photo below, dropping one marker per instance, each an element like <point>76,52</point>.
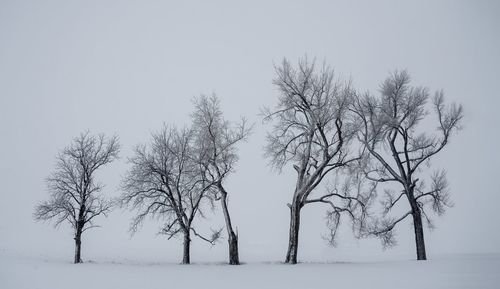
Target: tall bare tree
<point>217,140</point>
<point>74,192</point>
<point>400,151</point>
<point>165,183</point>
<point>311,130</point>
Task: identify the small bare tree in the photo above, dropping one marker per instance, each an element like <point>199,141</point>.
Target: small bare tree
<point>165,183</point>
<point>399,151</point>
<point>216,142</point>
<point>75,193</point>
<point>312,131</point>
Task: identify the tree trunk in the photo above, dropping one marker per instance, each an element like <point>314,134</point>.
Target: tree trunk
<point>187,245</point>
<point>419,235</point>
<point>78,244</point>
<point>232,240</point>
<point>417,224</point>
<point>293,241</point>
<point>234,258</point>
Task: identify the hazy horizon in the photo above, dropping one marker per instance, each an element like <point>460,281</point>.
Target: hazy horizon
<point>126,68</point>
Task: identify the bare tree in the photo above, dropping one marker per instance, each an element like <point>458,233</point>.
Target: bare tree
<point>75,193</point>
<point>399,151</point>
<point>216,141</point>
<point>164,183</point>
<point>311,131</point>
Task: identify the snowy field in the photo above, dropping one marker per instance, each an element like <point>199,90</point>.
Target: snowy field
<point>451,271</point>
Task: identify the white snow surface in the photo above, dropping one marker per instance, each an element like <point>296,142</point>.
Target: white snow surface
<point>446,271</point>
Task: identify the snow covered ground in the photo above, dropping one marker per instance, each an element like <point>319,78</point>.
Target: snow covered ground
<point>450,271</point>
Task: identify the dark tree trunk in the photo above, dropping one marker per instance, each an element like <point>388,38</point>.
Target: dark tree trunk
<point>419,235</point>
<point>417,226</point>
<point>78,244</point>
<point>234,258</point>
<point>232,240</point>
<point>78,234</point>
<point>187,245</point>
<point>293,241</point>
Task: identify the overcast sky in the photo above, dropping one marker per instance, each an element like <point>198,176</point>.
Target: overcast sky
<point>126,67</point>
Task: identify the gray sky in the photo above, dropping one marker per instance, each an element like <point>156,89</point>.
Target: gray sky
<point>126,67</point>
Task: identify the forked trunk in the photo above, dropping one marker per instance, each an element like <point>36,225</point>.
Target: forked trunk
<point>187,247</point>
<point>293,241</point>
<point>232,240</point>
<point>234,258</point>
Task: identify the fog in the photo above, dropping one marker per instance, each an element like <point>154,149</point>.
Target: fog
<point>127,67</point>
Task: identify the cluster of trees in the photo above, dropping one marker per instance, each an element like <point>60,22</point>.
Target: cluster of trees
<point>321,126</point>
<point>172,178</point>
<point>181,170</point>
